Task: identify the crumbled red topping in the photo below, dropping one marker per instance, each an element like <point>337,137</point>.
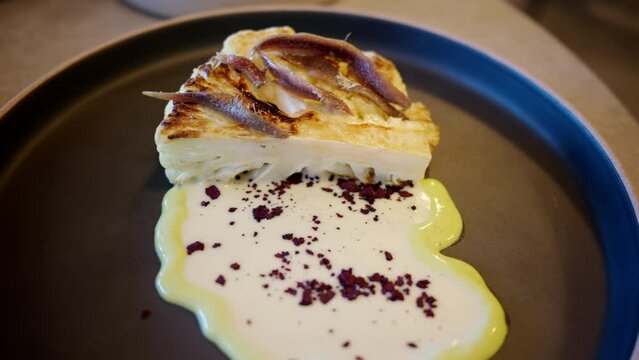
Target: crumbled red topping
<point>269,202</point>
<point>291,291</point>
<point>264,213</point>
<point>213,192</point>
<point>314,290</point>
<point>353,286</point>
<point>193,247</point>
<point>220,280</point>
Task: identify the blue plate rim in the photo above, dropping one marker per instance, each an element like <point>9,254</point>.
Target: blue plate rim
<point>586,128</point>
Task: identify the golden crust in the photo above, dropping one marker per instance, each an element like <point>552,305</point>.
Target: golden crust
<point>185,120</point>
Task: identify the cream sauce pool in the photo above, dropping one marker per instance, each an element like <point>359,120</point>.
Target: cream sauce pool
<point>321,268</point>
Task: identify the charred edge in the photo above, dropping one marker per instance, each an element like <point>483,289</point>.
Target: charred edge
<point>184,134</point>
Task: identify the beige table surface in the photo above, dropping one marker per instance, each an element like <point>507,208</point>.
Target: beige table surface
<point>38,35</point>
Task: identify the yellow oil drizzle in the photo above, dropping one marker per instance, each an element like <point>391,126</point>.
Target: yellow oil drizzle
<point>211,311</point>
<point>440,231</point>
<point>427,240</point>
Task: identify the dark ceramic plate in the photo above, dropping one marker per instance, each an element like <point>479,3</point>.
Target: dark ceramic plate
<point>548,222</point>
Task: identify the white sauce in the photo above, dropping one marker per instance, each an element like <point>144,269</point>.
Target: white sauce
<point>273,323</point>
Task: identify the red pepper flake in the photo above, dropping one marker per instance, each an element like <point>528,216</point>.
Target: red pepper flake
<point>405,194</point>
<point>145,314</point>
<point>310,252</point>
<point>282,256</point>
<point>346,344</point>
<point>349,185</point>
<point>359,358</point>
<point>409,279</point>
<point>264,213</point>
<point>220,280</point>
<point>232,209</point>
<point>339,215</point>
<point>235,266</point>
<point>205,203</point>
<point>375,218</point>
<point>352,286</point>
<point>427,303</point>
<point>307,298</point>
<point>388,287</point>
<point>348,197</point>
<point>213,192</point>
<point>328,190</point>
<point>393,294</point>
<point>232,223</point>
<point>287,236</point>
<point>276,274</point>
<point>326,296</point>
<point>298,241</point>
<point>291,291</point>
<point>372,192</point>
<point>388,256</point>
<point>193,247</point>
<point>420,300</point>
<point>314,228</point>
<point>216,245</point>
<point>412,345</point>
<point>422,284</point>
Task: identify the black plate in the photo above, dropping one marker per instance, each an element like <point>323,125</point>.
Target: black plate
<point>548,222</point>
